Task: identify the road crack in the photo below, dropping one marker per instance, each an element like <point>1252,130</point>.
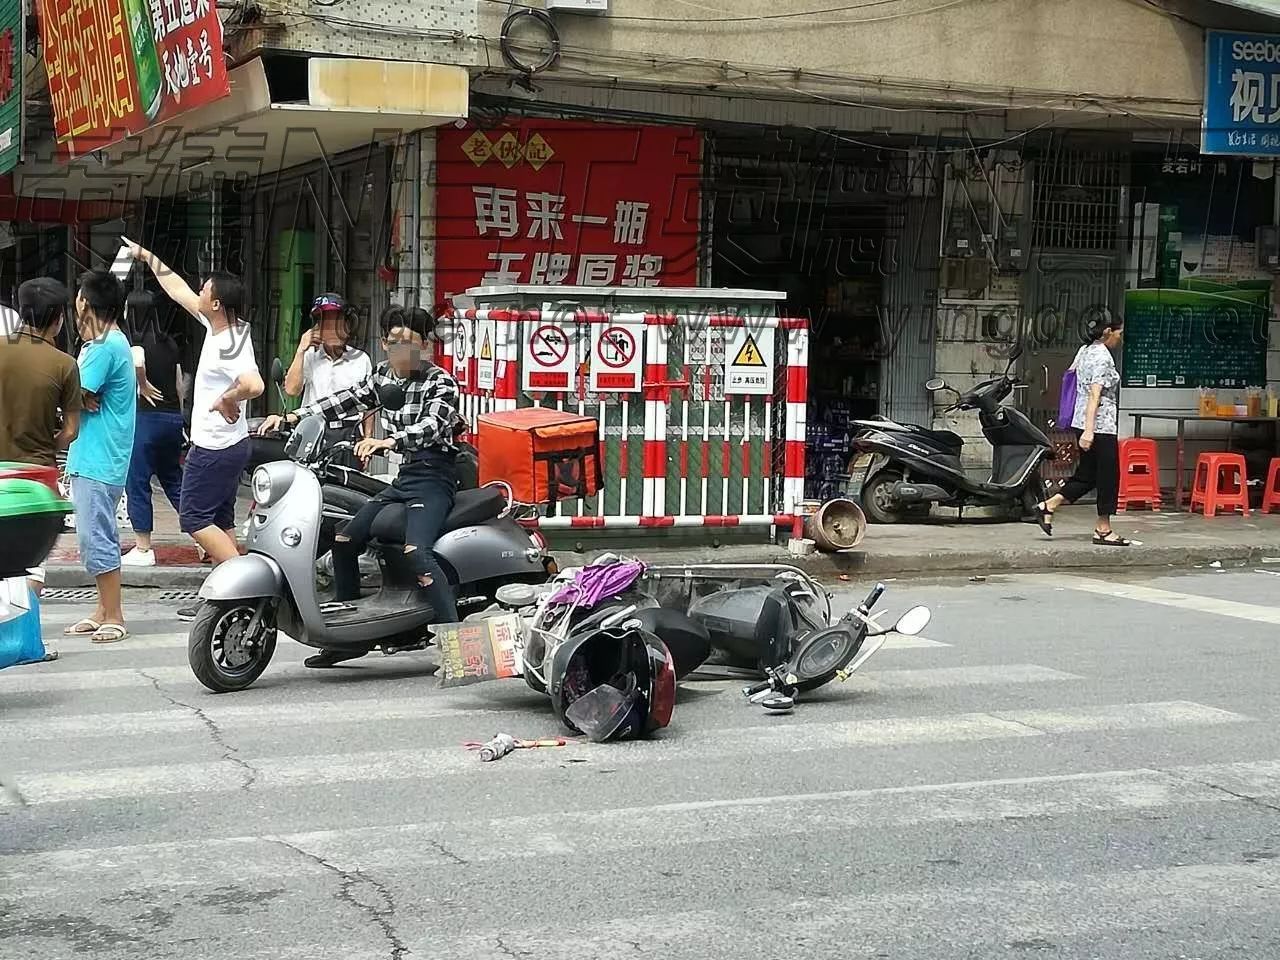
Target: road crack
<point>444,851</point>
<point>229,753</point>
<point>349,881</point>
<point>1254,801</point>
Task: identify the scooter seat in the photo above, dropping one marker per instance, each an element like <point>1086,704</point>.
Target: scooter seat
<point>946,438</point>
<point>470,507</point>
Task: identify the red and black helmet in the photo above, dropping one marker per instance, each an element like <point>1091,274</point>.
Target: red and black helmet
<point>613,683</point>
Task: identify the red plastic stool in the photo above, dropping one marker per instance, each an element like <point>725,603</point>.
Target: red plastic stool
<point>1221,484</point>
<point>1139,473</point>
<point>1271,494</point>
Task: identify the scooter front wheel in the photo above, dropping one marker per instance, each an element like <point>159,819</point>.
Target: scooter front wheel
<point>225,650</point>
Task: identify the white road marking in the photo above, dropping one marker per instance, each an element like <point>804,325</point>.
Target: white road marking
<point>714,743</point>
<point>418,845</point>
<point>1168,598</point>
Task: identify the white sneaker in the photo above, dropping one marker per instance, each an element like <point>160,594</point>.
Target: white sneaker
<point>138,558</point>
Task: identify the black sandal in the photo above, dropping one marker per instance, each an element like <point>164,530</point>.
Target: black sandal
<point>1044,517</point>
<point>1111,539</point>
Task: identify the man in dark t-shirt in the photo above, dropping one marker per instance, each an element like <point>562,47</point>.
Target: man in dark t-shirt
<point>36,381</point>
<point>158,437</point>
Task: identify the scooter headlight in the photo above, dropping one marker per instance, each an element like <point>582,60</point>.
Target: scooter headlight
<point>261,485</point>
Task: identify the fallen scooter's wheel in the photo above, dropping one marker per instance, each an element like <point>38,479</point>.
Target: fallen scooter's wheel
<point>221,653</point>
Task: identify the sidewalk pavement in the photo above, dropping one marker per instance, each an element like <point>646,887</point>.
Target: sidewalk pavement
<point>937,548</point>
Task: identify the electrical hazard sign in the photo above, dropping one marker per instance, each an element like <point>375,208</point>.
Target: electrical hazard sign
<point>749,354</point>
<point>550,358</point>
<point>486,339</point>
<point>617,364</point>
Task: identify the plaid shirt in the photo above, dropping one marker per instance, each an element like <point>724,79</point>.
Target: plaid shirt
<point>425,422</point>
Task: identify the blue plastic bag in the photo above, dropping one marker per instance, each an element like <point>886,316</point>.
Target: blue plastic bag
<point>20,640</point>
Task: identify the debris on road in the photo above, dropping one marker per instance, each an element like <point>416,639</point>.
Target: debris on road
<point>501,744</point>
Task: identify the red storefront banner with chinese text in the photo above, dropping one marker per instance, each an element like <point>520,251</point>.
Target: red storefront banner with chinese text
<point>569,203</point>
<point>116,67</point>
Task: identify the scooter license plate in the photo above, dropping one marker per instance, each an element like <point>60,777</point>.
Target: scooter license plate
<point>858,473</point>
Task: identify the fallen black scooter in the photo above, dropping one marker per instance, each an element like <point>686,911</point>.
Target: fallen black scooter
<point>908,468</point>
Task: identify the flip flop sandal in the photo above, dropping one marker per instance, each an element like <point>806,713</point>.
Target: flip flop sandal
<point>82,628</point>
<point>1044,518</point>
<point>109,633</point>
<point>1112,539</point>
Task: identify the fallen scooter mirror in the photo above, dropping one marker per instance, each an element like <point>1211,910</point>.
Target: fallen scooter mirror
<point>935,384</point>
<point>913,622</point>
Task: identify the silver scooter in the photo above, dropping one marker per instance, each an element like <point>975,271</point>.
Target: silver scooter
<point>274,586</point>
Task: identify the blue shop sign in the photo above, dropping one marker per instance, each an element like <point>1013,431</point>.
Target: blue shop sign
<point>1241,94</point>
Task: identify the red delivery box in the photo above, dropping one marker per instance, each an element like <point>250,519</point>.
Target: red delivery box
<point>544,455</point>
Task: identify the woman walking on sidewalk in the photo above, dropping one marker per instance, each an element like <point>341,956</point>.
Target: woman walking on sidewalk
<point>1096,425</point>
<point>157,439</point>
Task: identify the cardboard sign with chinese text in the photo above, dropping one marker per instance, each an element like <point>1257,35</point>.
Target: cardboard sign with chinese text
<point>480,650</point>
<point>116,67</point>
<point>565,203</point>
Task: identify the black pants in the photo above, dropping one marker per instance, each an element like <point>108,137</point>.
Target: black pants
<point>426,487</point>
<point>1098,469</point>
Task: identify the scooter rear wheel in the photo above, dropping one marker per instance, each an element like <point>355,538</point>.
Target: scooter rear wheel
<point>878,501</point>
<point>222,656</point>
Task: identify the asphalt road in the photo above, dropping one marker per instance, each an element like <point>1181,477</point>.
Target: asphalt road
<point>1065,768</point>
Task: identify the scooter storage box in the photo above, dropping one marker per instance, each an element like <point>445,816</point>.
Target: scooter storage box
<point>31,517</point>
<point>754,625</point>
<point>544,455</point>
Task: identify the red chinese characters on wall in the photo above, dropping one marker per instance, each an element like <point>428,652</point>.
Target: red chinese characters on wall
<point>567,203</point>
<point>116,67</point>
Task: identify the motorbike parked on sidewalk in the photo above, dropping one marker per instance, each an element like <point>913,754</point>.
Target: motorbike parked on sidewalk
<point>273,586</point>
<point>908,468</point>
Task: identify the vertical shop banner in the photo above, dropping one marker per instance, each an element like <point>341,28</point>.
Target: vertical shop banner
<point>116,67</point>
<point>567,203</point>
<point>1241,94</point>
<point>12,34</point>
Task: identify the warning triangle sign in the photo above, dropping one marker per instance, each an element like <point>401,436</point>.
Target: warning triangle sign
<point>749,354</point>
<point>486,351</point>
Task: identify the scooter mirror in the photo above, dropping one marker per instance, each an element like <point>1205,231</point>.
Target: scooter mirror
<point>277,371</point>
<point>779,704</point>
<point>1015,353</point>
<point>937,383</point>
<point>391,396</point>
<point>913,622</point>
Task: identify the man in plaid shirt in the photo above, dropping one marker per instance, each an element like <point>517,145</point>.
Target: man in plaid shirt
<point>423,432</point>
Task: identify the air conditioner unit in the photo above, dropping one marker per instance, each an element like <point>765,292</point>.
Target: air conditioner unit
<point>578,6</point>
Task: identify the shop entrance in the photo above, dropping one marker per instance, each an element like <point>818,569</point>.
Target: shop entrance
<point>812,215</point>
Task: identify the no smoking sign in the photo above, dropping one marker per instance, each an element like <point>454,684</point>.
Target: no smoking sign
<point>616,359</point>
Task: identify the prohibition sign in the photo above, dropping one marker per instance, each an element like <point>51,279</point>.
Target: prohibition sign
<point>617,347</point>
<point>549,346</point>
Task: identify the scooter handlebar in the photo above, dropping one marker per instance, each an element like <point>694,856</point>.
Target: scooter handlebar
<point>756,688</point>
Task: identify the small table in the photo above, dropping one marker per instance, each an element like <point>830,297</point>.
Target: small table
<point>1181,419</point>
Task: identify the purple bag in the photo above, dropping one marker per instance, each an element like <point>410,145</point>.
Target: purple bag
<point>1067,400</point>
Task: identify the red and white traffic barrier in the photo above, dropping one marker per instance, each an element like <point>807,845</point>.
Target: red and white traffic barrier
<point>491,348</point>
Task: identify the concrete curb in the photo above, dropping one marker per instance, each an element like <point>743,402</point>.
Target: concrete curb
<point>1063,556</point>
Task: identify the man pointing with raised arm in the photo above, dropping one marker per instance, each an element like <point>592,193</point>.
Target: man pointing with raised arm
<point>226,379</point>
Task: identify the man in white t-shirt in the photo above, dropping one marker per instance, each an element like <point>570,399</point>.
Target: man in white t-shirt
<point>226,379</point>
<point>325,363</point>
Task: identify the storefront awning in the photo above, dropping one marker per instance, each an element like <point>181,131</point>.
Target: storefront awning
<point>1269,7</point>
<point>350,103</point>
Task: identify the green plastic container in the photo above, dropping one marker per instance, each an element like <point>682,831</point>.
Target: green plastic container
<point>31,517</point>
